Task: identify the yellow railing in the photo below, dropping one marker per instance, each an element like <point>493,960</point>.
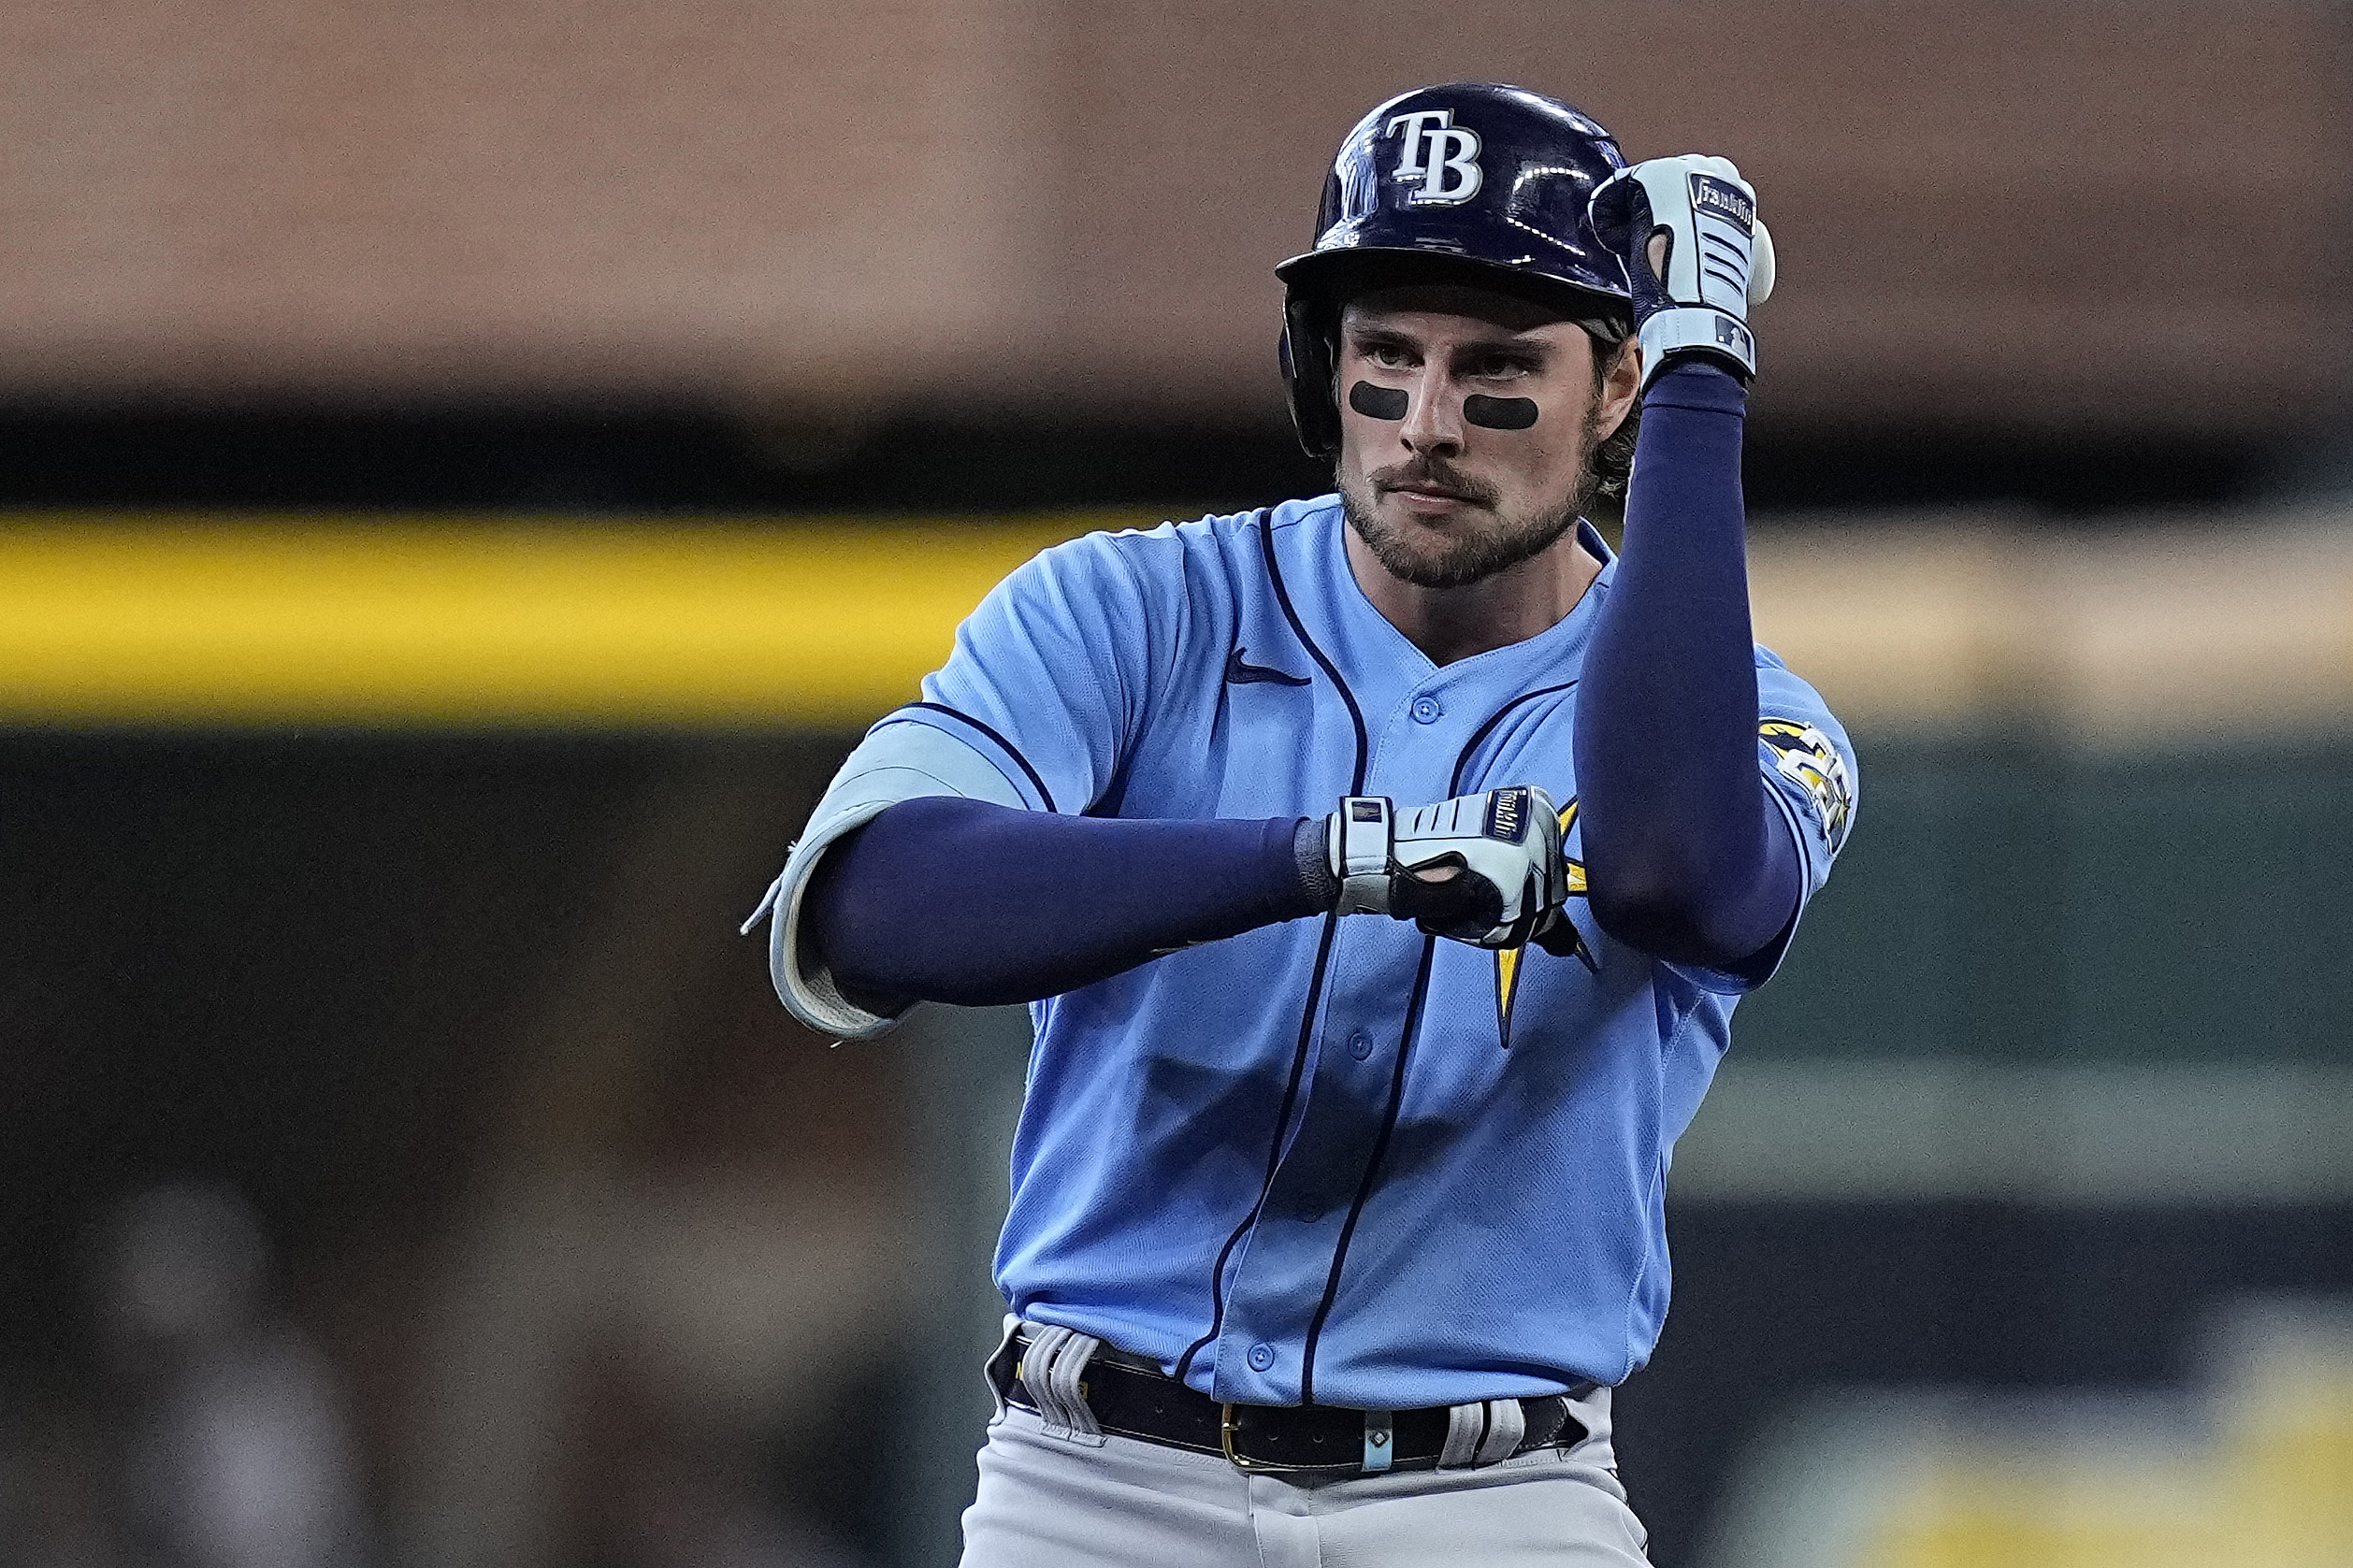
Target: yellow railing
<point>2196,632</point>
<point>470,623</point>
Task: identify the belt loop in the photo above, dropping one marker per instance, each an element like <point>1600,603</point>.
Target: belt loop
<point>1506,1423</point>
<point>1465,1424</point>
<point>1052,1368</point>
<point>1381,1447</point>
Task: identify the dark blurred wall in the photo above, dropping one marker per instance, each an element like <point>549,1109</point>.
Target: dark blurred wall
<point>544,1172</point>
<point>590,1230</point>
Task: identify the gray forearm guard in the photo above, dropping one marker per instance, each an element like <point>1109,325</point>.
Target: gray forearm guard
<point>897,762</point>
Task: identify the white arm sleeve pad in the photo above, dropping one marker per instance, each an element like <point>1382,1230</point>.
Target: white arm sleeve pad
<point>897,762</point>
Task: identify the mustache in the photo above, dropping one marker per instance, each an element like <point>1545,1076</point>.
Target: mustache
<point>1428,473</point>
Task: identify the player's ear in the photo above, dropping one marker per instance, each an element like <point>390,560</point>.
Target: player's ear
<point>1617,386</point>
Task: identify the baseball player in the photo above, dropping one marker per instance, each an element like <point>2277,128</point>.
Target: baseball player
<point>1382,869</point>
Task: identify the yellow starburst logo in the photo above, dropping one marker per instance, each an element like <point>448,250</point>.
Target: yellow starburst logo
<point>1564,941</point>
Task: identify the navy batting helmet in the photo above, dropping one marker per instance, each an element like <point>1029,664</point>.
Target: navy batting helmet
<point>1472,182</point>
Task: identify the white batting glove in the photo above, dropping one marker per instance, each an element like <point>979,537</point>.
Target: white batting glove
<point>1719,258</point>
<point>1481,868</point>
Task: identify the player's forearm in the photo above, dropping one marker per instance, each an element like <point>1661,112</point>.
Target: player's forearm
<point>1685,854</point>
<point>956,900</point>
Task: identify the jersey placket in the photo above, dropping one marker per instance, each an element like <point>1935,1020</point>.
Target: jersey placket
<point>1286,1270</point>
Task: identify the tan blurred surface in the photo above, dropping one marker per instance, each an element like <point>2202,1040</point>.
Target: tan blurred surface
<point>2188,632</point>
<point>585,192</point>
<point>2027,212</point>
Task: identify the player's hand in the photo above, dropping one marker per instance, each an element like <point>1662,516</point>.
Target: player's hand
<point>1481,868</point>
<point>1695,256</point>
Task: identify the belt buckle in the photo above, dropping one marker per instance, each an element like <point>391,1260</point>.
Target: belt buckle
<point>1225,1437</point>
<point>1228,1427</point>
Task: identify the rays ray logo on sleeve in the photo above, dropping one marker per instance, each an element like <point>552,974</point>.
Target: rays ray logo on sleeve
<point>1439,153</point>
<point>1806,758</point>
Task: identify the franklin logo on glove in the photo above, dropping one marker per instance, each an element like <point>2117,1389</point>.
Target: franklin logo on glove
<point>1727,200</point>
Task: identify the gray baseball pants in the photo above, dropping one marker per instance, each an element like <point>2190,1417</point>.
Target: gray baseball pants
<point>1071,1498</point>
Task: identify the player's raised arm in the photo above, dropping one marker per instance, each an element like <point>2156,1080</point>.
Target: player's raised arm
<point>1688,857</point>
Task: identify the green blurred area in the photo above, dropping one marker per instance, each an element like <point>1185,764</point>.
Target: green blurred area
<point>2008,897</point>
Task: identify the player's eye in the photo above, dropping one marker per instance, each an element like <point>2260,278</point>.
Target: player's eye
<point>1498,367</point>
<point>1389,356</point>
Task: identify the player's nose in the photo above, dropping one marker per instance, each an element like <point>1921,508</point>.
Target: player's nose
<point>1434,417</point>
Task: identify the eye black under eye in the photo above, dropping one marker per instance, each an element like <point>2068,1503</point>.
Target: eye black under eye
<point>1377,402</point>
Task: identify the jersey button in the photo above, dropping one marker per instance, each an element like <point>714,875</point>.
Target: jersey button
<point>1360,1045</point>
<point>1426,710</point>
<point>1310,1213</point>
<point>1262,1357</point>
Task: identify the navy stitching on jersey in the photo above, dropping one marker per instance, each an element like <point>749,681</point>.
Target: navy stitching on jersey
<point>1315,983</point>
<point>1397,1080</point>
<point>1282,596</point>
<point>1010,749</point>
<point>1470,747</point>
<point>1273,1155</point>
<point>1650,1197</point>
<point>1372,1170</point>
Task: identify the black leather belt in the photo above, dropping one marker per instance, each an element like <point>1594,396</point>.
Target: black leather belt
<point>1132,1397</point>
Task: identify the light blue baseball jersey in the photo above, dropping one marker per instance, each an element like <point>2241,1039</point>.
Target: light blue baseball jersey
<point>1303,1162</point>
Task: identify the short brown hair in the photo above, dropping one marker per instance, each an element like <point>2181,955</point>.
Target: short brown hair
<point>1611,462</point>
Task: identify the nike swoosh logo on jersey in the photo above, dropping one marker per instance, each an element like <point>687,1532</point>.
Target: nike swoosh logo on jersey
<point>1244,674</point>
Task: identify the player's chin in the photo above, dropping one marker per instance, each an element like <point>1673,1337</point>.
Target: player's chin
<point>1428,557</point>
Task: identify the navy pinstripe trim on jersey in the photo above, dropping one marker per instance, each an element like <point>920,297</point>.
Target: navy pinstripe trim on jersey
<point>1282,596</point>
<point>1372,1170</point>
<point>1470,747</point>
<point>1397,1077</point>
<point>1006,746</point>
<point>1315,982</point>
<point>1274,1152</point>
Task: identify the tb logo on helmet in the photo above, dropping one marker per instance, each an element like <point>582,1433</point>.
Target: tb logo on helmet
<point>1444,156</point>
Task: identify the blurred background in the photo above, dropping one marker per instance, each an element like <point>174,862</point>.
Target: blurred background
<point>472,469</point>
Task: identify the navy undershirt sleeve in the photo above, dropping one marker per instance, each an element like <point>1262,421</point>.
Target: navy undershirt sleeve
<point>1686,855</point>
<point>942,899</point>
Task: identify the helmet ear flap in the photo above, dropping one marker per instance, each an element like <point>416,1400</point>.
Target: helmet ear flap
<point>1305,354</point>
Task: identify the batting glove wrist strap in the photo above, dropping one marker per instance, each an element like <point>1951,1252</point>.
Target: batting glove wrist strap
<point>1688,330</point>
<point>1359,838</point>
<point>1481,868</point>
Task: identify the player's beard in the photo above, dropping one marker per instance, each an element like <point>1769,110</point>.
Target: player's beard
<point>1478,554</point>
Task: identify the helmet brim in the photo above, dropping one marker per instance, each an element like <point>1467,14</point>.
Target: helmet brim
<point>1333,276</point>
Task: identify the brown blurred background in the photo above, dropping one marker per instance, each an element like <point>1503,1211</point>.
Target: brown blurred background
<point>400,1159</point>
<point>867,239</point>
